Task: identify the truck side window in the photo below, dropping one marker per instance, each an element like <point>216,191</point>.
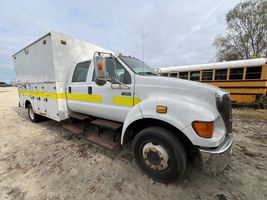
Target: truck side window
<point>118,72</point>
<point>80,72</point>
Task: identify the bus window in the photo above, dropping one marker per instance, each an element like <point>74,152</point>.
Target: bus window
<point>174,75</point>
<point>166,74</point>
<point>194,76</point>
<point>253,73</point>
<point>220,74</point>
<point>183,75</point>
<point>236,74</point>
<point>207,75</point>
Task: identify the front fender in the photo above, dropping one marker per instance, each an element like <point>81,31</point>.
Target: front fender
<point>180,113</point>
<point>132,116</point>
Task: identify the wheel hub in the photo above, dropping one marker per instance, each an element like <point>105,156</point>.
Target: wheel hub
<point>155,156</point>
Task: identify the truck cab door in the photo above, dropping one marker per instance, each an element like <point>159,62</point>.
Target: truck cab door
<point>112,101</point>
<point>77,88</point>
<point>117,94</point>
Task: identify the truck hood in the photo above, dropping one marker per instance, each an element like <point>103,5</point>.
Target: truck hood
<point>176,84</point>
<point>148,86</point>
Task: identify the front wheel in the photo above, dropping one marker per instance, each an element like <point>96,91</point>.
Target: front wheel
<point>160,154</point>
<point>32,115</point>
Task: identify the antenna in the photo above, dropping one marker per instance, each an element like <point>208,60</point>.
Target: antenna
<point>143,54</point>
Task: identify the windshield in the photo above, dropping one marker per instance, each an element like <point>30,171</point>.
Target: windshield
<point>138,66</point>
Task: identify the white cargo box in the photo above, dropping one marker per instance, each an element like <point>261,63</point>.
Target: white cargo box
<point>42,71</point>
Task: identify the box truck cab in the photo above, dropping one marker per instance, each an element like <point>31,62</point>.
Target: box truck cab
<point>165,118</point>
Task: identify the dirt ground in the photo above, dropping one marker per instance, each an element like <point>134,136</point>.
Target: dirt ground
<point>43,161</point>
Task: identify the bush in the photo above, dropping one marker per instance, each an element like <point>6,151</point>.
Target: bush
<point>262,102</point>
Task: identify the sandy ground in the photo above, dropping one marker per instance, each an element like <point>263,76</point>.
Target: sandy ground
<point>43,161</point>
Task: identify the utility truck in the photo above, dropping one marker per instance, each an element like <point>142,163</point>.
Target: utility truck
<point>167,120</point>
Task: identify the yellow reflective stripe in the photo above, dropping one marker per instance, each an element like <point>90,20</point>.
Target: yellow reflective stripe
<point>117,100</point>
<point>125,101</point>
<point>43,94</point>
<point>24,92</point>
<point>137,101</point>
<point>55,95</point>
<point>60,96</point>
<point>39,94</point>
<point>85,97</point>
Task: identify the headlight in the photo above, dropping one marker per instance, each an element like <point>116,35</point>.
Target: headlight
<point>219,96</point>
<point>224,107</point>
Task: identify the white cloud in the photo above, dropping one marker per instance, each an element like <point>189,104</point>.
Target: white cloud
<point>175,32</point>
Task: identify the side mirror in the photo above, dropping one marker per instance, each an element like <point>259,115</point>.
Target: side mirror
<point>100,69</point>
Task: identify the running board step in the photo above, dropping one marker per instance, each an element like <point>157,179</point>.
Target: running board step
<point>102,141</point>
<point>107,124</point>
<point>79,116</point>
<point>74,129</point>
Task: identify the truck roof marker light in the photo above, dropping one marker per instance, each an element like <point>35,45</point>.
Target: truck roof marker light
<point>63,42</point>
<point>161,109</point>
<point>203,129</point>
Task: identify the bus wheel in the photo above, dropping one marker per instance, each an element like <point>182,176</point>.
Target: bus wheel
<point>160,154</point>
<point>33,116</point>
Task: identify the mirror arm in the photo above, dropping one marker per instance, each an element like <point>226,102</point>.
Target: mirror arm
<point>119,83</point>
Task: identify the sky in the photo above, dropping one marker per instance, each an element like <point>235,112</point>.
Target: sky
<point>172,32</point>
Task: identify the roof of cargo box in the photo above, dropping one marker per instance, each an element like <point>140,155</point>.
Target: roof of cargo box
<point>31,43</point>
<point>51,58</point>
<point>48,34</point>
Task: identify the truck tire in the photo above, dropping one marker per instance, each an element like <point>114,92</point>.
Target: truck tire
<point>160,154</point>
<point>33,116</point>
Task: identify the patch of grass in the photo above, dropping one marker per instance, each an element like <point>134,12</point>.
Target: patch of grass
<point>250,113</point>
<point>262,101</point>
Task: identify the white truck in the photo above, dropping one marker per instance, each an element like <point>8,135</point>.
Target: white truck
<point>168,120</point>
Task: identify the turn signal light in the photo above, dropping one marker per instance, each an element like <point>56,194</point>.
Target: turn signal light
<point>161,109</point>
<point>100,66</point>
<point>203,129</point>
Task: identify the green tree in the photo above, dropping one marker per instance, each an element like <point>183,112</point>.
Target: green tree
<point>246,34</point>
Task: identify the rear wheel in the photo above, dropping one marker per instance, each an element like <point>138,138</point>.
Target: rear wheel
<point>160,154</point>
<point>32,115</point>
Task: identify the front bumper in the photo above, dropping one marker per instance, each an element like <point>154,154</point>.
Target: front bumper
<point>216,159</point>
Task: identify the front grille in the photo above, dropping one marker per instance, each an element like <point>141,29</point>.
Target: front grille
<point>225,109</point>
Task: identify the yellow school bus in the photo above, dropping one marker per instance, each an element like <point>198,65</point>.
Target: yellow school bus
<point>246,80</point>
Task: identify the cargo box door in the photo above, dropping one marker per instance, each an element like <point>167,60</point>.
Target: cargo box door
<point>34,95</point>
<point>41,99</point>
<point>51,101</point>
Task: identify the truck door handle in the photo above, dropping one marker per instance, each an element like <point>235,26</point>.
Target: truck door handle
<point>89,90</point>
<point>126,93</point>
<point>69,89</point>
